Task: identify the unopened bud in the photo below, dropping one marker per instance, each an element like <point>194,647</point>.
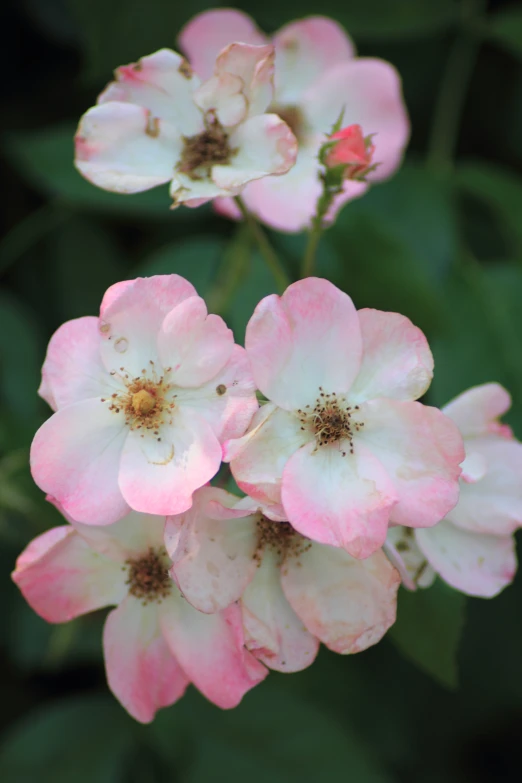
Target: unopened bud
<point>352,150</point>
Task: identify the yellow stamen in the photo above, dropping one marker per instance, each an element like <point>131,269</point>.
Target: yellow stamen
<point>143,402</point>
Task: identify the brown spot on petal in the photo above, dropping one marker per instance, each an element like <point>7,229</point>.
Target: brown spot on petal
<point>185,69</point>
<point>153,127</point>
<point>221,389</point>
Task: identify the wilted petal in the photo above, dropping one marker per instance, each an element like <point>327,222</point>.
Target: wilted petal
<point>254,65</point>
<point>396,361</point>
<point>476,564</point>
<point>141,671</point>
<point>348,604</point>
<point>61,577</point>
<point>305,339</point>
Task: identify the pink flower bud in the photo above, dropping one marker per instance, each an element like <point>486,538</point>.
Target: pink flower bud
<point>351,150</point>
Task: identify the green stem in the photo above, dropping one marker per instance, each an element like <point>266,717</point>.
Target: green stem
<point>266,249</point>
<point>454,87</point>
<point>311,251</point>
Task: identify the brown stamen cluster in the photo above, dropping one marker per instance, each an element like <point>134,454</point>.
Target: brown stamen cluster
<point>149,578</point>
<point>144,401</point>
<point>205,150</point>
<point>330,420</point>
<point>281,538</point>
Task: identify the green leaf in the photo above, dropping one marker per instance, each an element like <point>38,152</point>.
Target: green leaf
<point>501,191</point>
<point>506,29</point>
<point>197,259</point>
<point>81,739</point>
<point>257,282</point>
<point>428,630</point>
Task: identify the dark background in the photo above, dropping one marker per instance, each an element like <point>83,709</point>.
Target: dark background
<point>441,700</point>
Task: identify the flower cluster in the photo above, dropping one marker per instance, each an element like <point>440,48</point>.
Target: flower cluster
<point>201,124</point>
<point>350,485</point>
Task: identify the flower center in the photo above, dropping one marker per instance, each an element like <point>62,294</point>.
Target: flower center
<point>293,117</point>
<point>148,576</point>
<point>205,150</point>
<point>281,538</point>
<point>331,420</point>
<point>147,402</point>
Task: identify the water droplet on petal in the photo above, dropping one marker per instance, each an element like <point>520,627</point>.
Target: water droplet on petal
<point>121,345</point>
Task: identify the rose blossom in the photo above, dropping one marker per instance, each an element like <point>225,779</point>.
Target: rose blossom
<point>143,395</point>
<point>158,123</point>
<point>154,642</point>
<point>294,593</point>
<point>317,76</point>
<point>473,548</point>
<point>351,150</point>
<point>341,444</point>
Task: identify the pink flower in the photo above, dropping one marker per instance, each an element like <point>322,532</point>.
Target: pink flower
<point>294,593</point>
<point>143,395</point>
<point>317,76</point>
<point>154,642</point>
<point>473,548</point>
<point>158,123</point>
<point>341,442</point>
<point>351,150</point>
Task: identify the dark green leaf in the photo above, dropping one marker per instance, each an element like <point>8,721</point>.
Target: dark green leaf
<point>196,258</point>
<point>506,29</point>
<point>257,282</point>
<point>428,630</point>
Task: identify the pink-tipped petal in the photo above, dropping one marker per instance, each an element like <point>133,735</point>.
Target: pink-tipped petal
<point>338,498</point>
<point>212,560</point>
<point>195,345</point>
<point>369,91</point>
<point>257,460</point>
<point>265,145</point>
<point>131,316</point>
<point>141,670</point>
<point>305,50</point>
<point>273,631</point>
<point>475,564</point>
<point>421,450</point>
<point>475,412</point>
<point>228,401</point>
<point>203,38</point>
<point>397,361</point>
<point>492,504</point>
<point>123,148</point>
<point>75,457</point>
<point>210,649</point>
<point>162,83</point>
<point>306,339</point>
<point>61,577</point>
<point>73,370</point>
<point>160,476</point>
<point>348,604</point>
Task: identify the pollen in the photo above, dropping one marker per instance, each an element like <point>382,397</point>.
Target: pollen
<point>206,149</point>
<point>331,420</point>
<point>143,402</point>
<point>280,538</point>
<point>147,401</point>
<point>148,576</point>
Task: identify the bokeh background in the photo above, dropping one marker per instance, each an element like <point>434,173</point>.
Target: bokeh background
<point>440,699</point>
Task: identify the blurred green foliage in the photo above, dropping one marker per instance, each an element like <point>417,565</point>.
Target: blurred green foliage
<point>441,699</point>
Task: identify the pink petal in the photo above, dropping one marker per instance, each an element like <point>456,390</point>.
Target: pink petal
<point>475,564</point>
<point>122,148</point>
<point>420,449</point>
<point>194,344</point>
<point>370,93</point>
<point>212,560</point>
<point>131,316</point>
<point>348,604</point>
<point>397,361</point>
<point>340,500</point>
<point>141,671</point>
<point>258,459</point>
<point>265,145</point>
<point>73,370</point>
<point>159,477</point>
<point>476,410</point>
<point>162,83</point>
<point>227,206</point>
<point>228,401</point>
<point>75,457</point>
<point>306,50</point>
<point>254,65</point>
<point>209,32</point>
<point>61,577</point>
<point>305,339</point>
<point>210,650</point>
<point>493,504</point>
<point>274,633</point>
